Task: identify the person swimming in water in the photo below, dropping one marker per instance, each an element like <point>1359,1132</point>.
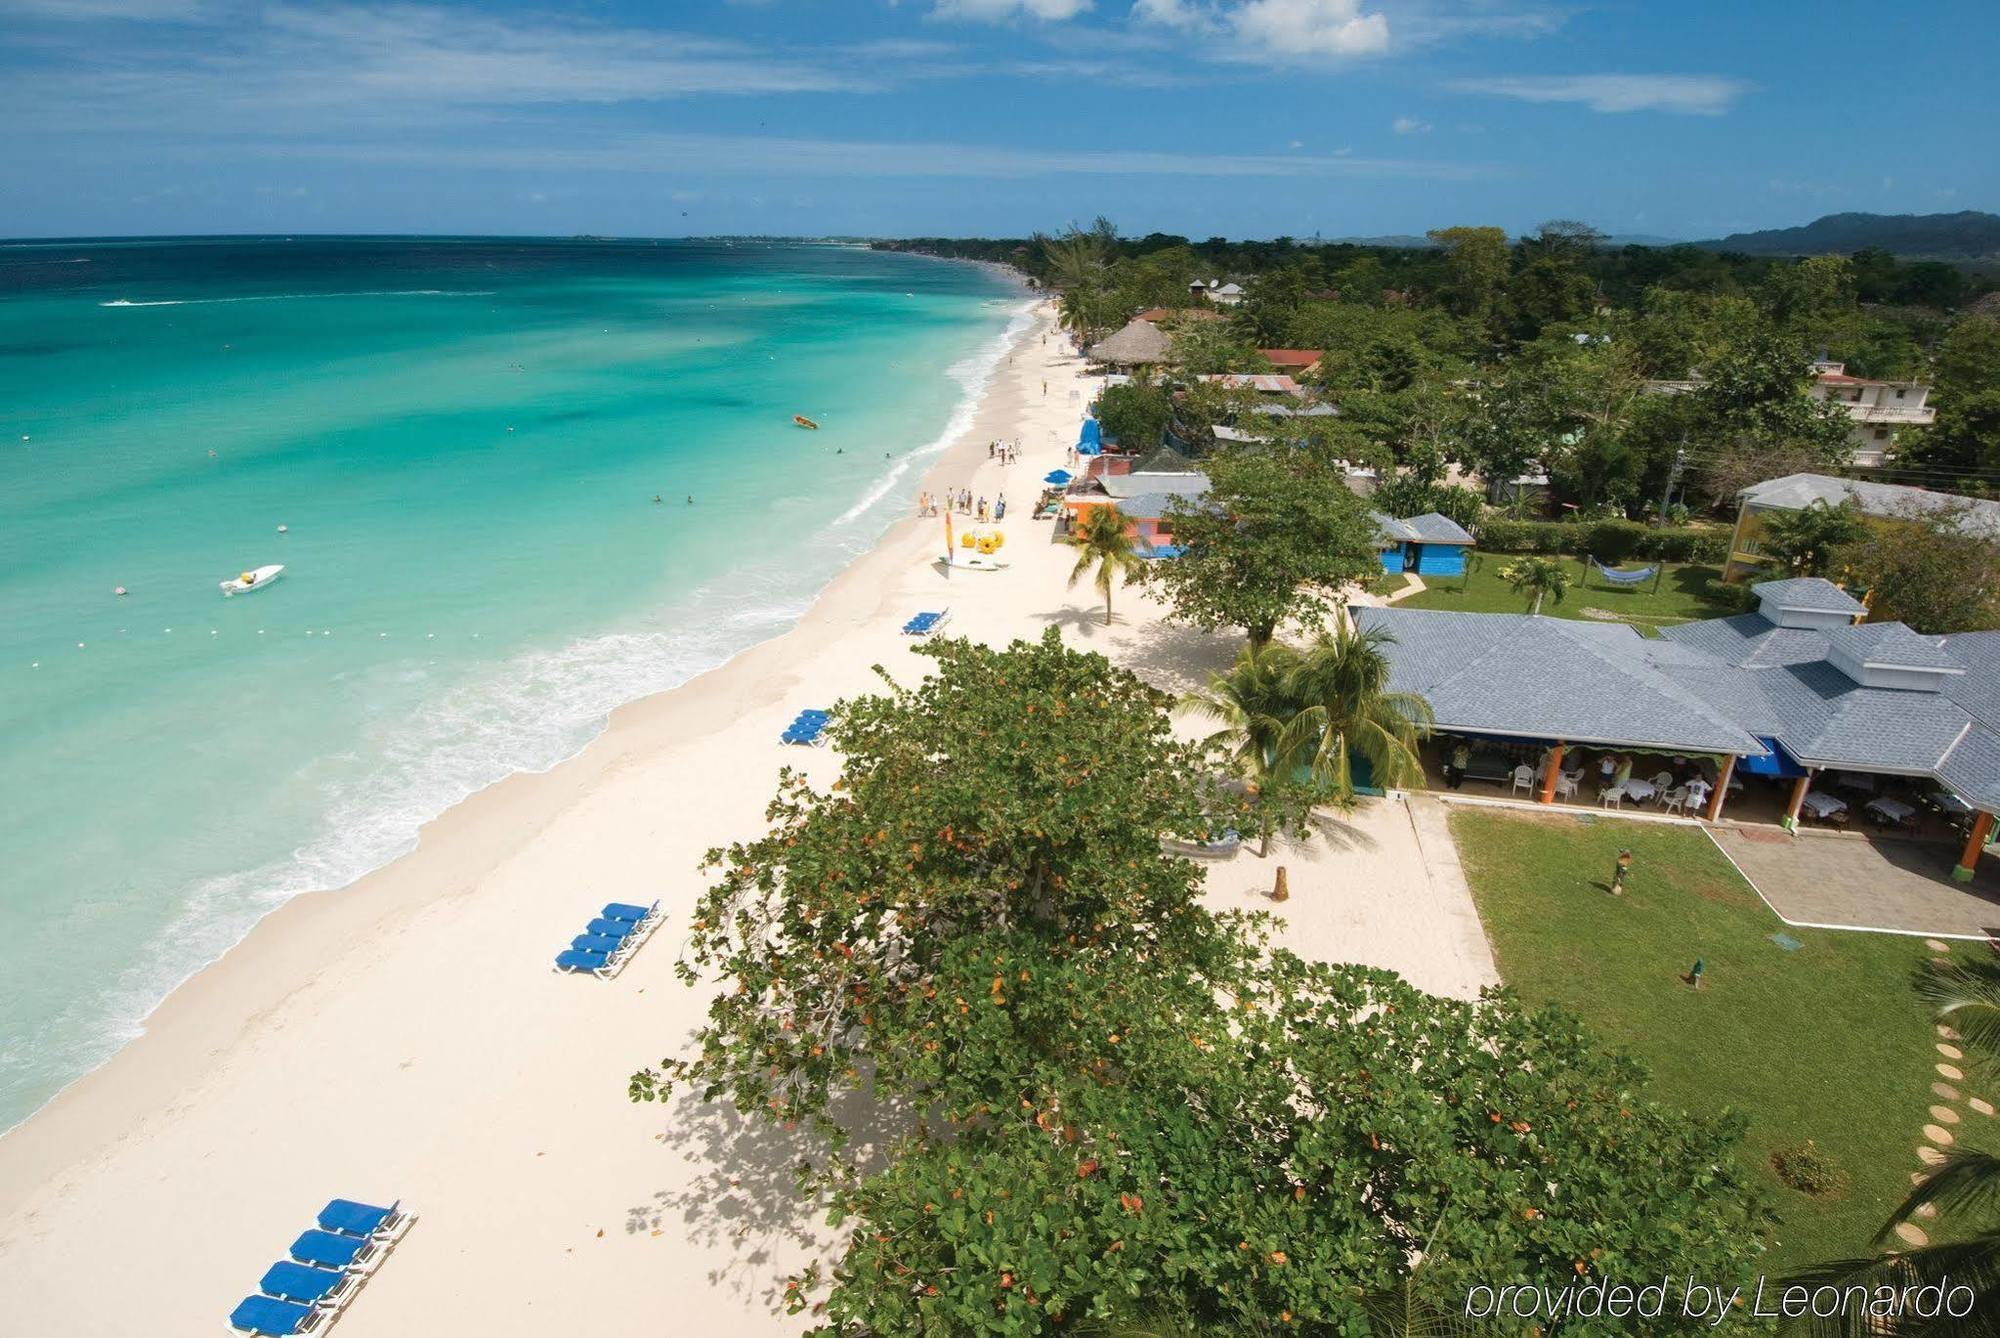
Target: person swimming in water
<point>656,499</point>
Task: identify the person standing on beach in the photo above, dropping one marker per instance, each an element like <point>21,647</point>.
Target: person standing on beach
<point>1000,508</point>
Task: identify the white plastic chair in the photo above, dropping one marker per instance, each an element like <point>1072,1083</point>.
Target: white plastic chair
<point>1664,781</point>
<point>1524,778</point>
<point>1565,786</point>
<point>1675,800</point>
<point>1612,796</point>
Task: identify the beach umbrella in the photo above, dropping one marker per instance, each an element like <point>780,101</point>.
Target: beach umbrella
<point>1056,476</point>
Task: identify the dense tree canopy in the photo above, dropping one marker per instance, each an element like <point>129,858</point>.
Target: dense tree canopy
<point>1109,1104</point>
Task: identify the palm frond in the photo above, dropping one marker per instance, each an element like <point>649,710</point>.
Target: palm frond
<point>1968,996</point>
<point>1964,1181</point>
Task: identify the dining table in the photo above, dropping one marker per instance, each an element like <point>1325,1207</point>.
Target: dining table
<point>1822,805</point>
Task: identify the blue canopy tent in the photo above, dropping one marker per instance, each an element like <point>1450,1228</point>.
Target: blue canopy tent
<point>1776,762</point>
<point>1092,440</point>
<point>1056,476</point>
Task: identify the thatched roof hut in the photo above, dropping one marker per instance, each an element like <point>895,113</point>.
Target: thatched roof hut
<point>1139,343</point>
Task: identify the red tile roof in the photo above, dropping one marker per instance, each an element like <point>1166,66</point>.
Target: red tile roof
<point>1156,314</point>
<point>1290,357</point>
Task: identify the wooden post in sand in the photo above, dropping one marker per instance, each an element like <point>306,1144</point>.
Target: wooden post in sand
<point>1280,892</point>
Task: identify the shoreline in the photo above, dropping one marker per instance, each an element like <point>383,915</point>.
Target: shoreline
<point>222,1019</point>
<point>980,367</point>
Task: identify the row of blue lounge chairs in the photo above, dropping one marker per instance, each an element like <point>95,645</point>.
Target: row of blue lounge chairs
<point>609,941</point>
<point>306,1293</point>
<point>809,726</point>
<point>809,729</point>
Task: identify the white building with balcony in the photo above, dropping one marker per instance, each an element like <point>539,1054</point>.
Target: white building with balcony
<point>1879,409</point>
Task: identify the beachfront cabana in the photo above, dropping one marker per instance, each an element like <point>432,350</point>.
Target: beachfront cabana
<point>1139,344</point>
<point>1426,545</point>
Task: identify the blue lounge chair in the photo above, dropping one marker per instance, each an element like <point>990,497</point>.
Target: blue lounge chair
<point>278,1319</point>
<point>619,910</point>
<point>307,1286</point>
<point>597,943</point>
<point>591,963</point>
<point>324,1249</point>
<point>617,929</point>
<point>809,729</point>
<point>345,1217</point>
<point>926,623</point>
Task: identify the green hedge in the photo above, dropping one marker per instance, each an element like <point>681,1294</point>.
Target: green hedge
<point>1609,541</point>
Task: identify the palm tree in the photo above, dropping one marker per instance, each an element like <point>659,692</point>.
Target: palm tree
<point>1537,576</point>
<point>1256,712</point>
<point>1100,538</point>
<point>1342,685</point>
<point>1805,539</point>
<point>1967,1182</point>
<point>1076,257</point>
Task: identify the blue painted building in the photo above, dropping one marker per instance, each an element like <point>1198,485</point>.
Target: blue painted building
<point>1426,545</point>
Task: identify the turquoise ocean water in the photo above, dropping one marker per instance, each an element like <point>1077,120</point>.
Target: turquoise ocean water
<point>463,440</point>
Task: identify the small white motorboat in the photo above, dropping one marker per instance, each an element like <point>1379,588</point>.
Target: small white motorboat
<point>253,580</point>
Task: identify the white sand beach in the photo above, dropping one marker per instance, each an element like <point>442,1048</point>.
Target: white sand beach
<point>405,1037</point>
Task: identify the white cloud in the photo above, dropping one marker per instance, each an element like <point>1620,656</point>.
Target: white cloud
<point>1312,27</point>
<point>995,10</point>
<point>1686,94</point>
<point>1410,125</point>
<point>1285,30</point>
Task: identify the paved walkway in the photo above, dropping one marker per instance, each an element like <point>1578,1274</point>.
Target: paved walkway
<point>1381,886</point>
<point>1844,880</point>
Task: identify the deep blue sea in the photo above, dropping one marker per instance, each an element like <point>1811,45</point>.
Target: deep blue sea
<point>454,447</point>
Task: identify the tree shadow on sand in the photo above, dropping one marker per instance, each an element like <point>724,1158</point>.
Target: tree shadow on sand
<point>742,1199</point>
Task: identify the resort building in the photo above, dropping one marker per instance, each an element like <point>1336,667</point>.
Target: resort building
<point>1879,409</point>
<point>1222,293</point>
<point>1266,383</point>
<point>1291,361</point>
<point>1879,503</point>
<point>1426,545</point>
<point>1143,496</point>
<point>1799,700</point>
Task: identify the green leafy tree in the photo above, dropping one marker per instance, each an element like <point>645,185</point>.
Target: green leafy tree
<point>1347,710</point>
<point>1102,1105</point>
<point>1205,348</point>
<point>1935,570</point>
<point>1135,414</point>
<point>1101,542</point>
<point>1536,578</point>
<point>1966,388</point>
<point>1476,263</point>
<point>1804,540</point>
<point>1274,540</point>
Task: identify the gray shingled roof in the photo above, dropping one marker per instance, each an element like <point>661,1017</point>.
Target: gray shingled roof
<point>1487,673</point>
<point>1892,645</point>
<point>1750,640</point>
<point>1391,530</point>
<point>1183,483</point>
<point>1795,492</point>
<point>1433,528</point>
<point>1809,594</point>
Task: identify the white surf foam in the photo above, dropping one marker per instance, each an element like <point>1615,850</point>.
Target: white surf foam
<point>303,297</point>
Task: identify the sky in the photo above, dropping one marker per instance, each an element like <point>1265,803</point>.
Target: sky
<point>1237,118</point>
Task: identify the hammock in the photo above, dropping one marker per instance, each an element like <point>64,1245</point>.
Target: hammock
<point>1625,577</point>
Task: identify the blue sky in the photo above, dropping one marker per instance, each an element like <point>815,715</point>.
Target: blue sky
<point>898,117</point>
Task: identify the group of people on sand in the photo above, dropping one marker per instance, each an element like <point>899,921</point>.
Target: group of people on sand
<point>962,500</point>
<point>1006,452</point>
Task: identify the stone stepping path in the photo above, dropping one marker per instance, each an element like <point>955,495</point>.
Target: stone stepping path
<point>1944,1115</point>
<point>1937,945</point>
<point>1939,1134</point>
<point>1983,1107</point>
<point>1950,1051</point>
<point>1946,1032</point>
<point>1930,1156</point>
<point>1947,1071</point>
<point>1945,1090</point>
<point>1911,1234</point>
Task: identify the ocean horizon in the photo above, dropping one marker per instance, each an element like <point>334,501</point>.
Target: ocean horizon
<point>514,484</point>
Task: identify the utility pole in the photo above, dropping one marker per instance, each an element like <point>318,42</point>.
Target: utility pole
<point>1673,477</point>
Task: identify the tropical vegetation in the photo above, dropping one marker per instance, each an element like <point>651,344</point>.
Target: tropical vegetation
<point>1101,543</point>
<point>1095,1102</point>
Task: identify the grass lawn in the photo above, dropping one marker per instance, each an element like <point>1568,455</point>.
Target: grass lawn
<point>1827,1042</point>
<point>1684,594</point>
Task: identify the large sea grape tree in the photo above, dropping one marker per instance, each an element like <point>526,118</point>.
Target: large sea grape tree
<point>1114,1106</point>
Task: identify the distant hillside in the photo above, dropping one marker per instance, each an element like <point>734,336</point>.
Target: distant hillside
<point>1967,235</point>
